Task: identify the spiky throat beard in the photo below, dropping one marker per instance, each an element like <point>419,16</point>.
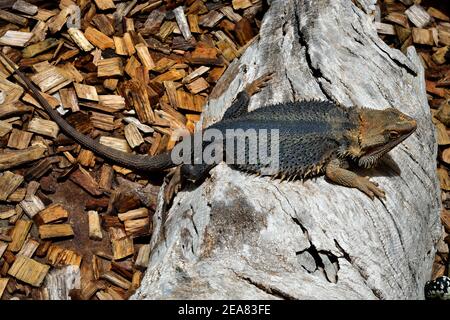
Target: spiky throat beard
<point>372,156</point>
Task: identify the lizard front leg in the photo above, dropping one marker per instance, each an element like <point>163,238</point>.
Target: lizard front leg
<point>336,173</point>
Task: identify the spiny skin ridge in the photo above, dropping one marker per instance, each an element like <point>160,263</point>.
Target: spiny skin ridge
<point>305,110</point>
<point>310,134</point>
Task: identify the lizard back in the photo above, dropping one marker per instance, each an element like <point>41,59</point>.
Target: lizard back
<point>310,133</point>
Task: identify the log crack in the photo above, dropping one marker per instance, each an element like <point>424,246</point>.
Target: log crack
<point>265,288</point>
<point>315,71</point>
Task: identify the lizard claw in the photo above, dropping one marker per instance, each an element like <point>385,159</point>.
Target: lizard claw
<point>257,85</point>
<point>173,185</point>
<point>370,188</point>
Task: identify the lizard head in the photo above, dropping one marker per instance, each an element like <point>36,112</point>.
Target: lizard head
<point>380,131</point>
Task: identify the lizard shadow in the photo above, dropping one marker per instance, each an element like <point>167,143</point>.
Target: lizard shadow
<point>386,167</point>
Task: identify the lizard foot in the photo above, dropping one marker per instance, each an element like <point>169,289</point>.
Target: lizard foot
<point>173,186</point>
<point>370,188</point>
<point>257,85</point>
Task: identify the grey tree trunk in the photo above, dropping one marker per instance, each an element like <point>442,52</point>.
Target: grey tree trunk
<point>245,237</point>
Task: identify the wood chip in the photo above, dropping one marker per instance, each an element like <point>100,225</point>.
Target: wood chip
<point>7,214</point>
<point>40,47</point>
<point>16,158</point>
<point>111,84</point>
<point>193,23</point>
<point>122,247</point>
<point>50,79</point>
<point>9,182</point>
<point>230,14</point>
<point>13,18</point>
<point>105,4</point>
<point>133,136</point>
<point>211,19</point>
<point>418,16</point>
<point>3,285</point>
<point>444,35</point>
<point>3,247</point>
<point>198,85</point>
<point>82,178</point>
<point>17,195</point>
<point>116,279</point>
<point>110,67</point>
<point>69,99</point>
<point>385,28</point>
<point>102,121</point>
<point>86,92</point>
<point>15,38</point>
<point>19,234</point>
<point>29,248</point>
<point>134,214</point>
<point>137,227</point>
<point>5,128</point>
<point>32,205</point>
<point>86,158</point>
<point>28,271</point>
<point>171,93</point>
<point>129,43</point>
<point>19,139</point>
<point>144,56</point>
<point>182,22</point>
<point>186,101</point>
<point>95,230</point>
<point>241,4</point>
<point>398,18</point>
<point>79,38</point>
<point>103,23</point>
<point>58,256</point>
<point>142,127</point>
<point>53,213</point>
<point>25,7</point>
<point>44,127</point>
<point>115,143</point>
<point>166,30</point>
<point>422,36</point>
<point>98,39</point>
<point>62,230</point>
<point>115,102</point>
<point>438,14</point>
<point>120,45</point>
<point>171,75</point>
<point>143,257</point>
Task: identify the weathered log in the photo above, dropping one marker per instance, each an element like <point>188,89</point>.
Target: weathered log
<point>246,237</point>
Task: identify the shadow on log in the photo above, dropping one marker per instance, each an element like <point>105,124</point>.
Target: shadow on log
<point>244,237</point>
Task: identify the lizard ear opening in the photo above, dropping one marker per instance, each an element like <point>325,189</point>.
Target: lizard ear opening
<point>393,134</point>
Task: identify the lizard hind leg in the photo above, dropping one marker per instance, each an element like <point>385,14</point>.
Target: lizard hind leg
<point>347,178</point>
<point>196,172</point>
<point>174,184</point>
<point>180,174</point>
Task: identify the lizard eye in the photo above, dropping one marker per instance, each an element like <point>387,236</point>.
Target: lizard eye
<point>393,134</point>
